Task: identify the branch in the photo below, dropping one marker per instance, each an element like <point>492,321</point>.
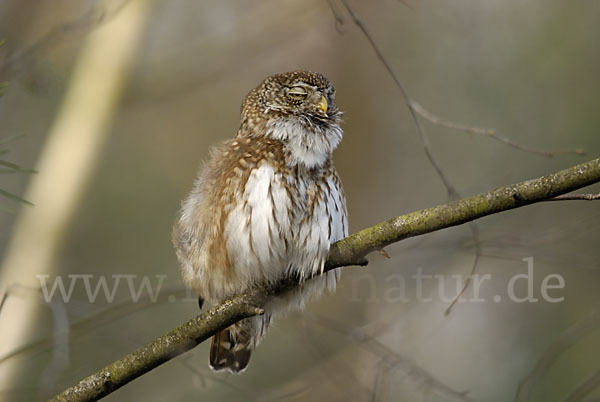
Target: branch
<point>581,197</point>
<point>163,349</point>
<point>349,251</point>
<point>488,132</point>
<point>353,249</point>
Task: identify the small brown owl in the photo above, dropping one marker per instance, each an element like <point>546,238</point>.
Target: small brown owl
<point>267,205</point>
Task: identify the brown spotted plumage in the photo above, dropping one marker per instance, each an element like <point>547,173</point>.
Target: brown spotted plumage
<point>268,204</point>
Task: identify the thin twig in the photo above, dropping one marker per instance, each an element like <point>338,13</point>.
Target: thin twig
<point>572,197</point>
<point>585,388</point>
<point>392,361</point>
<point>406,4</point>
<point>565,340</point>
<point>245,395</point>
<point>475,234</point>
<point>339,20</point>
<point>489,132</point>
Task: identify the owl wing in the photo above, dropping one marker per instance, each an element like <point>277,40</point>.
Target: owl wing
<point>234,228</point>
<point>258,227</point>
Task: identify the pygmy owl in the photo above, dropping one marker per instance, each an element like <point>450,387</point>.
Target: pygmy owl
<point>267,205</point>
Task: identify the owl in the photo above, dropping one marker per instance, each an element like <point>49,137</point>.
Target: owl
<point>266,206</point>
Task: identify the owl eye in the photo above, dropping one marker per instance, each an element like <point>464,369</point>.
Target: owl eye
<point>297,92</point>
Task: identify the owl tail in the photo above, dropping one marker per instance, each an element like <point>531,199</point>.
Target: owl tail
<point>227,353</point>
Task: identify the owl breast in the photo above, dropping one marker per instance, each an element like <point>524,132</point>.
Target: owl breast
<point>284,223</point>
<point>253,219</point>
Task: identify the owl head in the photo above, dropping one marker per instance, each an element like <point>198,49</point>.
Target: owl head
<point>297,108</point>
<point>302,95</point>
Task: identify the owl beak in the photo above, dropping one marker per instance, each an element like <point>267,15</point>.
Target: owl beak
<point>323,104</point>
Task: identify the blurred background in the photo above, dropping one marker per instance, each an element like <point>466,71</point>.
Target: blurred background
<point>116,104</point>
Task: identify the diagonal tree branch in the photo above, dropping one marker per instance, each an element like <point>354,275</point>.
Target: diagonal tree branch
<point>353,249</point>
<point>349,251</point>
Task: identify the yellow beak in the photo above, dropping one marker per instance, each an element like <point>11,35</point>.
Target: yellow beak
<point>323,104</point>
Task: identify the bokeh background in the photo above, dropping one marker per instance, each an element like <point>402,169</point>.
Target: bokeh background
<point>527,69</point>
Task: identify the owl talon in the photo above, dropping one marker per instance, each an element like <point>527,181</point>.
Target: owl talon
<point>200,303</point>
